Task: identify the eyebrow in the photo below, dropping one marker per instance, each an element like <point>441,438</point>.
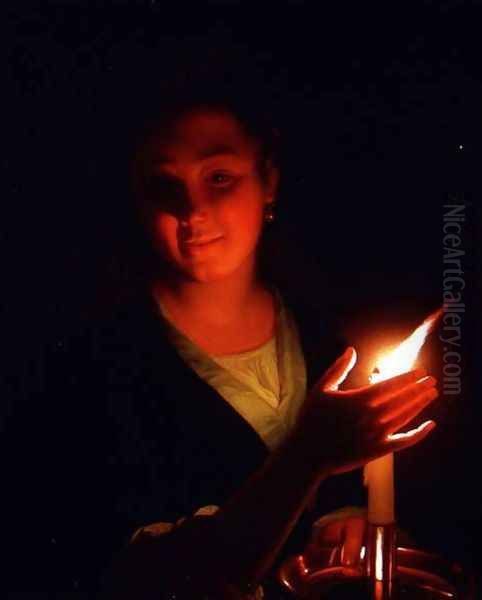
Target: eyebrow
<point>219,150</point>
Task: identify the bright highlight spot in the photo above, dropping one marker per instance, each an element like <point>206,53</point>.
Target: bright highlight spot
<point>401,359</point>
<point>408,434</point>
<point>363,552</point>
<point>379,555</point>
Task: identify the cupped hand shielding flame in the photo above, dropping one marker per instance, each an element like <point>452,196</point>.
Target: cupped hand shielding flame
<point>402,358</point>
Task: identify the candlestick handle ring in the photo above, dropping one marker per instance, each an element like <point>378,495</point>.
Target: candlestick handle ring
<point>408,573</point>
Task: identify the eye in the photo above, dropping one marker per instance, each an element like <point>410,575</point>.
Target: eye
<point>221,179</point>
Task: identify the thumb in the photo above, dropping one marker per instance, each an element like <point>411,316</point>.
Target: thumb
<point>336,374</point>
<point>353,542</point>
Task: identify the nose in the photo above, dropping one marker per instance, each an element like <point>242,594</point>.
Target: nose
<point>194,207</point>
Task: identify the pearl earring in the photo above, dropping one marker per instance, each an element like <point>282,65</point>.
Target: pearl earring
<point>269,215</point>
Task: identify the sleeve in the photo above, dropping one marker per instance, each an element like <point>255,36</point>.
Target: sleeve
<point>147,535</point>
<point>160,528</point>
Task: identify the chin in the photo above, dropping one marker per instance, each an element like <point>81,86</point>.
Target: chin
<point>213,268</point>
<point>208,272</point>
<point>208,275</point>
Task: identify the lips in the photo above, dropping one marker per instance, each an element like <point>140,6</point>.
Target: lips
<point>202,241</point>
<point>201,245</point>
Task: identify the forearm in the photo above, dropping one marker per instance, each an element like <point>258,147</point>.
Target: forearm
<point>253,526</point>
<point>235,547</point>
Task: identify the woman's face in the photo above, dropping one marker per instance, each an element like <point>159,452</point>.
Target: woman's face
<point>202,196</point>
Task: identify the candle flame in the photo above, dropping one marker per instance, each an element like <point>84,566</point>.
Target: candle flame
<point>402,358</point>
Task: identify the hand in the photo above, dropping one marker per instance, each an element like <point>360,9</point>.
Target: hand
<point>341,430</point>
<point>345,529</point>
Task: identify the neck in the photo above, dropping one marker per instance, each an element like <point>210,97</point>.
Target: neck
<point>219,303</point>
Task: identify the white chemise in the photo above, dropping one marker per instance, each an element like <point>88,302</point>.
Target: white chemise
<point>266,386</point>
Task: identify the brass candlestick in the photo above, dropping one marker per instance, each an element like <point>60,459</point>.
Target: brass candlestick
<point>388,572</point>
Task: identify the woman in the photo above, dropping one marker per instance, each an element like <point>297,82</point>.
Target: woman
<point>206,180</point>
<point>204,394</point>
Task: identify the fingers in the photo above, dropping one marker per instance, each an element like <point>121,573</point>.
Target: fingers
<point>330,534</point>
<point>348,533</point>
<point>406,394</point>
<point>354,534</point>
<point>338,371</point>
<point>390,386</point>
<point>403,400</point>
<point>400,417</point>
<point>400,441</point>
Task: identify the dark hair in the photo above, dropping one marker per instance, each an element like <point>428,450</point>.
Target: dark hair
<point>253,116</point>
<point>212,72</point>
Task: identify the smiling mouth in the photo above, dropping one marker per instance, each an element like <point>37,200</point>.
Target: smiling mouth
<point>200,246</point>
<point>201,242</point>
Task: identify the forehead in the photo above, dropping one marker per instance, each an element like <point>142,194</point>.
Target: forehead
<point>199,135</point>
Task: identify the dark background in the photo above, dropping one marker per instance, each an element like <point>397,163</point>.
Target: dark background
<point>381,109</point>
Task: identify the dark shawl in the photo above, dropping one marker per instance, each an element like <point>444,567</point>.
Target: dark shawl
<point>119,433</point>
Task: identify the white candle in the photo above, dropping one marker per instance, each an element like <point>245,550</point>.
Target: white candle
<point>378,473</point>
<point>381,497</point>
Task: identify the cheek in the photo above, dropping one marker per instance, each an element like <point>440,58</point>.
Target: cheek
<point>164,231</point>
<point>243,213</point>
